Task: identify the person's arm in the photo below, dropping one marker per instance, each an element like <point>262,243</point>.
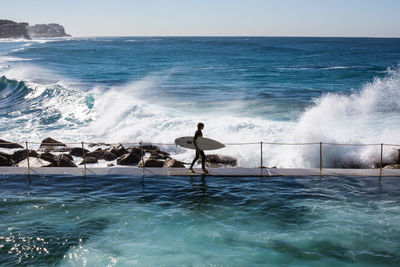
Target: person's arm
<point>195,141</point>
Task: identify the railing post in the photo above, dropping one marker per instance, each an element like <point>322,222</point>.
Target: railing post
<point>261,157</point>
<point>84,159</point>
<point>381,165</point>
<point>27,157</point>
<point>141,154</point>
<point>320,158</point>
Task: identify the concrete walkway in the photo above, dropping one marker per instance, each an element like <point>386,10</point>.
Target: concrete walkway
<point>225,172</point>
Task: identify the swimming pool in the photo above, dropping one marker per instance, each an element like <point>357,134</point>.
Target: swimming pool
<point>170,221</point>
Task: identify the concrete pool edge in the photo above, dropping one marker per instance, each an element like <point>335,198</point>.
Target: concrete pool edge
<point>226,172</point>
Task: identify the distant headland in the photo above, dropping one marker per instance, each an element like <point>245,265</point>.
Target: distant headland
<point>12,29</point>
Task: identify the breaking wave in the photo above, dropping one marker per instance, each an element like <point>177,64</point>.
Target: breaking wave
<point>36,103</point>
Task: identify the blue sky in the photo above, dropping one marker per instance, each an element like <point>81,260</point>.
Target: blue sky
<point>360,18</point>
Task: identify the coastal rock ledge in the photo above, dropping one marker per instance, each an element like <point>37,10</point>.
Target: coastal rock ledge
<point>15,30</point>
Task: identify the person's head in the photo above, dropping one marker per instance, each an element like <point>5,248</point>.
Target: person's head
<point>200,126</point>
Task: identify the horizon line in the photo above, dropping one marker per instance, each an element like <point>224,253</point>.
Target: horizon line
<point>252,36</point>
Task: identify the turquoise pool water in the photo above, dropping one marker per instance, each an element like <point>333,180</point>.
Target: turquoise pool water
<point>172,221</point>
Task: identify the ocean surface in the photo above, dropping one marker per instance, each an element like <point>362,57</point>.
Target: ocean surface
<point>132,89</point>
<point>245,90</point>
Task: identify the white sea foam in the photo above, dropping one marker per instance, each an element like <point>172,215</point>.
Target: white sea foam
<point>336,68</point>
<point>121,114</point>
<point>367,116</point>
<point>9,59</point>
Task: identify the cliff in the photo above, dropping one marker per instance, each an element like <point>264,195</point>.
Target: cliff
<point>46,30</point>
<point>11,29</point>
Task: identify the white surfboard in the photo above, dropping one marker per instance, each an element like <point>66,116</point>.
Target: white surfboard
<point>202,143</point>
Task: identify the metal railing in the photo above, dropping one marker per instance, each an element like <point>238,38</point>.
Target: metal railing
<point>141,144</point>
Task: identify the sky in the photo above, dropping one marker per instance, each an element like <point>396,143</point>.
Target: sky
<point>341,18</point>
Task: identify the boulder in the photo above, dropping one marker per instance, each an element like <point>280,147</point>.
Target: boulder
<point>49,157</point>
<point>8,156</point>
<point>135,150</point>
<point>151,163</point>
<point>65,160</point>
<point>95,153</point>
<point>89,160</point>
<point>215,161</point>
<point>6,144</point>
<point>398,156</point>
<point>172,163</point>
<point>128,159</point>
<point>102,154</point>
<point>118,150</point>
<point>5,161</point>
<point>50,143</point>
<point>108,156</point>
<point>158,154</point>
<point>78,152</point>
<point>20,155</point>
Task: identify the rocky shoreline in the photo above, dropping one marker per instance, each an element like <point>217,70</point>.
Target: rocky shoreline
<point>53,153</point>
<point>11,29</point>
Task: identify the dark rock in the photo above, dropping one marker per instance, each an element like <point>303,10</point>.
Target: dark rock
<point>89,160</point>
<point>135,150</point>
<point>5,161</point>
<point>128,159</point>
<point>151,163</point>
<point>12,29</point>
<point>78,152</point>
<point>118,150</point>
<point>46,31</point>
<point>68,156</point>
<point>5,155</point>
<point>214,160</point>
<point>64,160</point>
<point>108,156</point>
<point>6,144</point>
<point>102,154</point>
<point>50,143</point>
<point>158,154</point>
<point>96,153</point>
<point>20,155</point>
<point>172,163</point>
<point>110,165</point>
<point>50,158</point>
<point>398,156</point>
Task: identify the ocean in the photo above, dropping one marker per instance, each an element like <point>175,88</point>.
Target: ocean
<point>245,90</point>
<point>142,89</point>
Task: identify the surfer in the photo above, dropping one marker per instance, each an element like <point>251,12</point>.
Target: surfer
<point>198,133</point>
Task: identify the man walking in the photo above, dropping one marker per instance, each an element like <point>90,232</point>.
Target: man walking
<point>198,133</point>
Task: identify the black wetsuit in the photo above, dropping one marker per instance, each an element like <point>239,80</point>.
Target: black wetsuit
<point>198,151</point>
